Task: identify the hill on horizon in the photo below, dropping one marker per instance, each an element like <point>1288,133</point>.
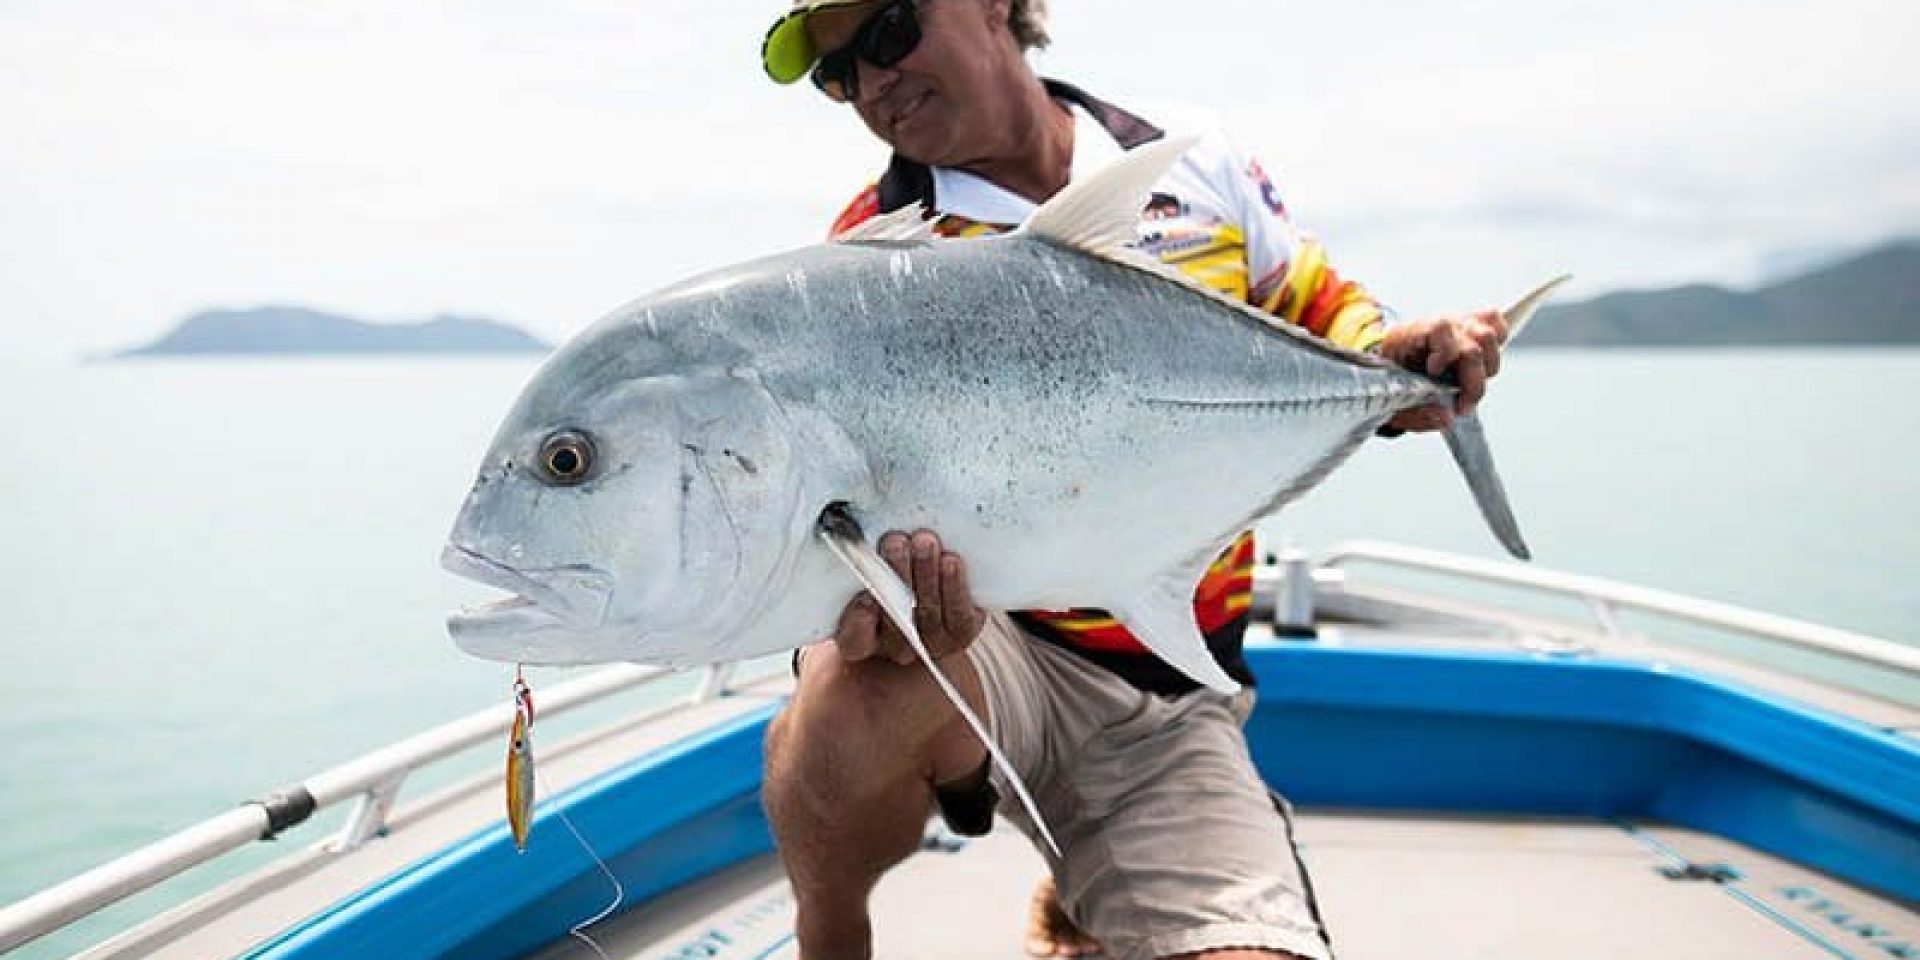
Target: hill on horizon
<point>294,330</point>
<point>1869,299</point>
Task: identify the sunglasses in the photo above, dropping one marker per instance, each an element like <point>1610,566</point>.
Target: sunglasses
<point>886,38</point>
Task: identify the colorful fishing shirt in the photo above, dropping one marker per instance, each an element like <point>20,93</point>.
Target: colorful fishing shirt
<point>1217,217</point>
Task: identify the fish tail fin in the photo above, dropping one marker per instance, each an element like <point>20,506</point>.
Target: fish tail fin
<point>1522,311</point>
<point>1467,439</point>
<point>1468,442</point>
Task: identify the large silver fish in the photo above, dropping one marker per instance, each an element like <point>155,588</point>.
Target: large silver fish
<point>700,476</point>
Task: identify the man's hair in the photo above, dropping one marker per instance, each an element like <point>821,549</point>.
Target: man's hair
<point>1028,21</point>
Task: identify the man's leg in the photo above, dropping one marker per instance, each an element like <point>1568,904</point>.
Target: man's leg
<point>1050,932</point>
<point>1193,857</point>
<point>1236,955</point>
<point>851,767</point>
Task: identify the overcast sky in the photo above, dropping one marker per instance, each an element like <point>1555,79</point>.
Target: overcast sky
<point>544,162</point>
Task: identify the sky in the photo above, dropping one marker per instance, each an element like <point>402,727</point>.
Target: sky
<point>543,163</point>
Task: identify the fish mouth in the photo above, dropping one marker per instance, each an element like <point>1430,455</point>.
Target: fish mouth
<point>572,597</point>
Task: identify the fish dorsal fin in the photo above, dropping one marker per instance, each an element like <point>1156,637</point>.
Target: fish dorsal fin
<point>1162,618</point>
<point>905,227</point>
<point>1100,215</point>
<point>843,538</point>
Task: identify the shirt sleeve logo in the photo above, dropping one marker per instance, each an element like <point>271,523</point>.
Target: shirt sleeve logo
<point>1268,194</point>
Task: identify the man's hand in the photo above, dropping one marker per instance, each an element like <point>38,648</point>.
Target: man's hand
<point>943,612</point>
<point>1464,347</point>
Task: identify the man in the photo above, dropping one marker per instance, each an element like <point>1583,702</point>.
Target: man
<point>1109,738</point>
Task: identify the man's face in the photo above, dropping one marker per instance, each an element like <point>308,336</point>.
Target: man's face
<point>938,105</point>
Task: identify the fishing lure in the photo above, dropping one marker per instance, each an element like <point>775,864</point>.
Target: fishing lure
<point>520,763</point>
<point>520,804</point>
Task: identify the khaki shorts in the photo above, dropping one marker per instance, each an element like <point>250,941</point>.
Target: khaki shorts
<point>1172,842</point>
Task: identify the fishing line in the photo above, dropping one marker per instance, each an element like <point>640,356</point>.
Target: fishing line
<point>578,930</point>
<point>523,701</point>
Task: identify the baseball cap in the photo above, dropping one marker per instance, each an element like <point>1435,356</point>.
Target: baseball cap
<point>788,53</point>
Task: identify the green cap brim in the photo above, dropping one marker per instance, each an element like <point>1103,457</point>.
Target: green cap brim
<point>788,52</point>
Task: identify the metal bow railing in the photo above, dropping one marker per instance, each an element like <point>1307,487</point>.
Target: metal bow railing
<point>1607,599</point>
<point>371,782</point>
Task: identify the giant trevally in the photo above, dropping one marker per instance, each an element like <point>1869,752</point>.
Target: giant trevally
<point>700,476</point>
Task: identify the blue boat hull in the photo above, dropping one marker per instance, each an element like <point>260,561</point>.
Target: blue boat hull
<point>1388,729</point>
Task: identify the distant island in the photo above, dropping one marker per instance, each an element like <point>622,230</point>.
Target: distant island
<point>1872,299</point>
<point>289,330</point>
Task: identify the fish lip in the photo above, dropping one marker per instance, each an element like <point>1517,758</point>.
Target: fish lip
<point>575,596</point>
<point>524,634</point>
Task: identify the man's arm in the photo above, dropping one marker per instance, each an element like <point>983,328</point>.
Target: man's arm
<point>1305,290</point>
<point>864,206</point>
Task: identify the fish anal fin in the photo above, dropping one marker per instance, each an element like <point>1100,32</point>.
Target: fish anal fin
<point>843,537</point>
<point>1162,618</point>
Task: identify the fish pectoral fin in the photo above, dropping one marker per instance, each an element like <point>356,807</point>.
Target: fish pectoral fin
<point>843,538</point>
<point>1163,620</point>
<point>905,227</point>
<point>842,535</point>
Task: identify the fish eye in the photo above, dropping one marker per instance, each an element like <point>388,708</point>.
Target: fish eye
<point>566,457</point>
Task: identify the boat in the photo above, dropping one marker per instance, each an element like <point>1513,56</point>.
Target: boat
<point>1489,760</point>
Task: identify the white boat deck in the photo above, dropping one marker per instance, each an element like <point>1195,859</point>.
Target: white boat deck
<point>1390,886</point>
